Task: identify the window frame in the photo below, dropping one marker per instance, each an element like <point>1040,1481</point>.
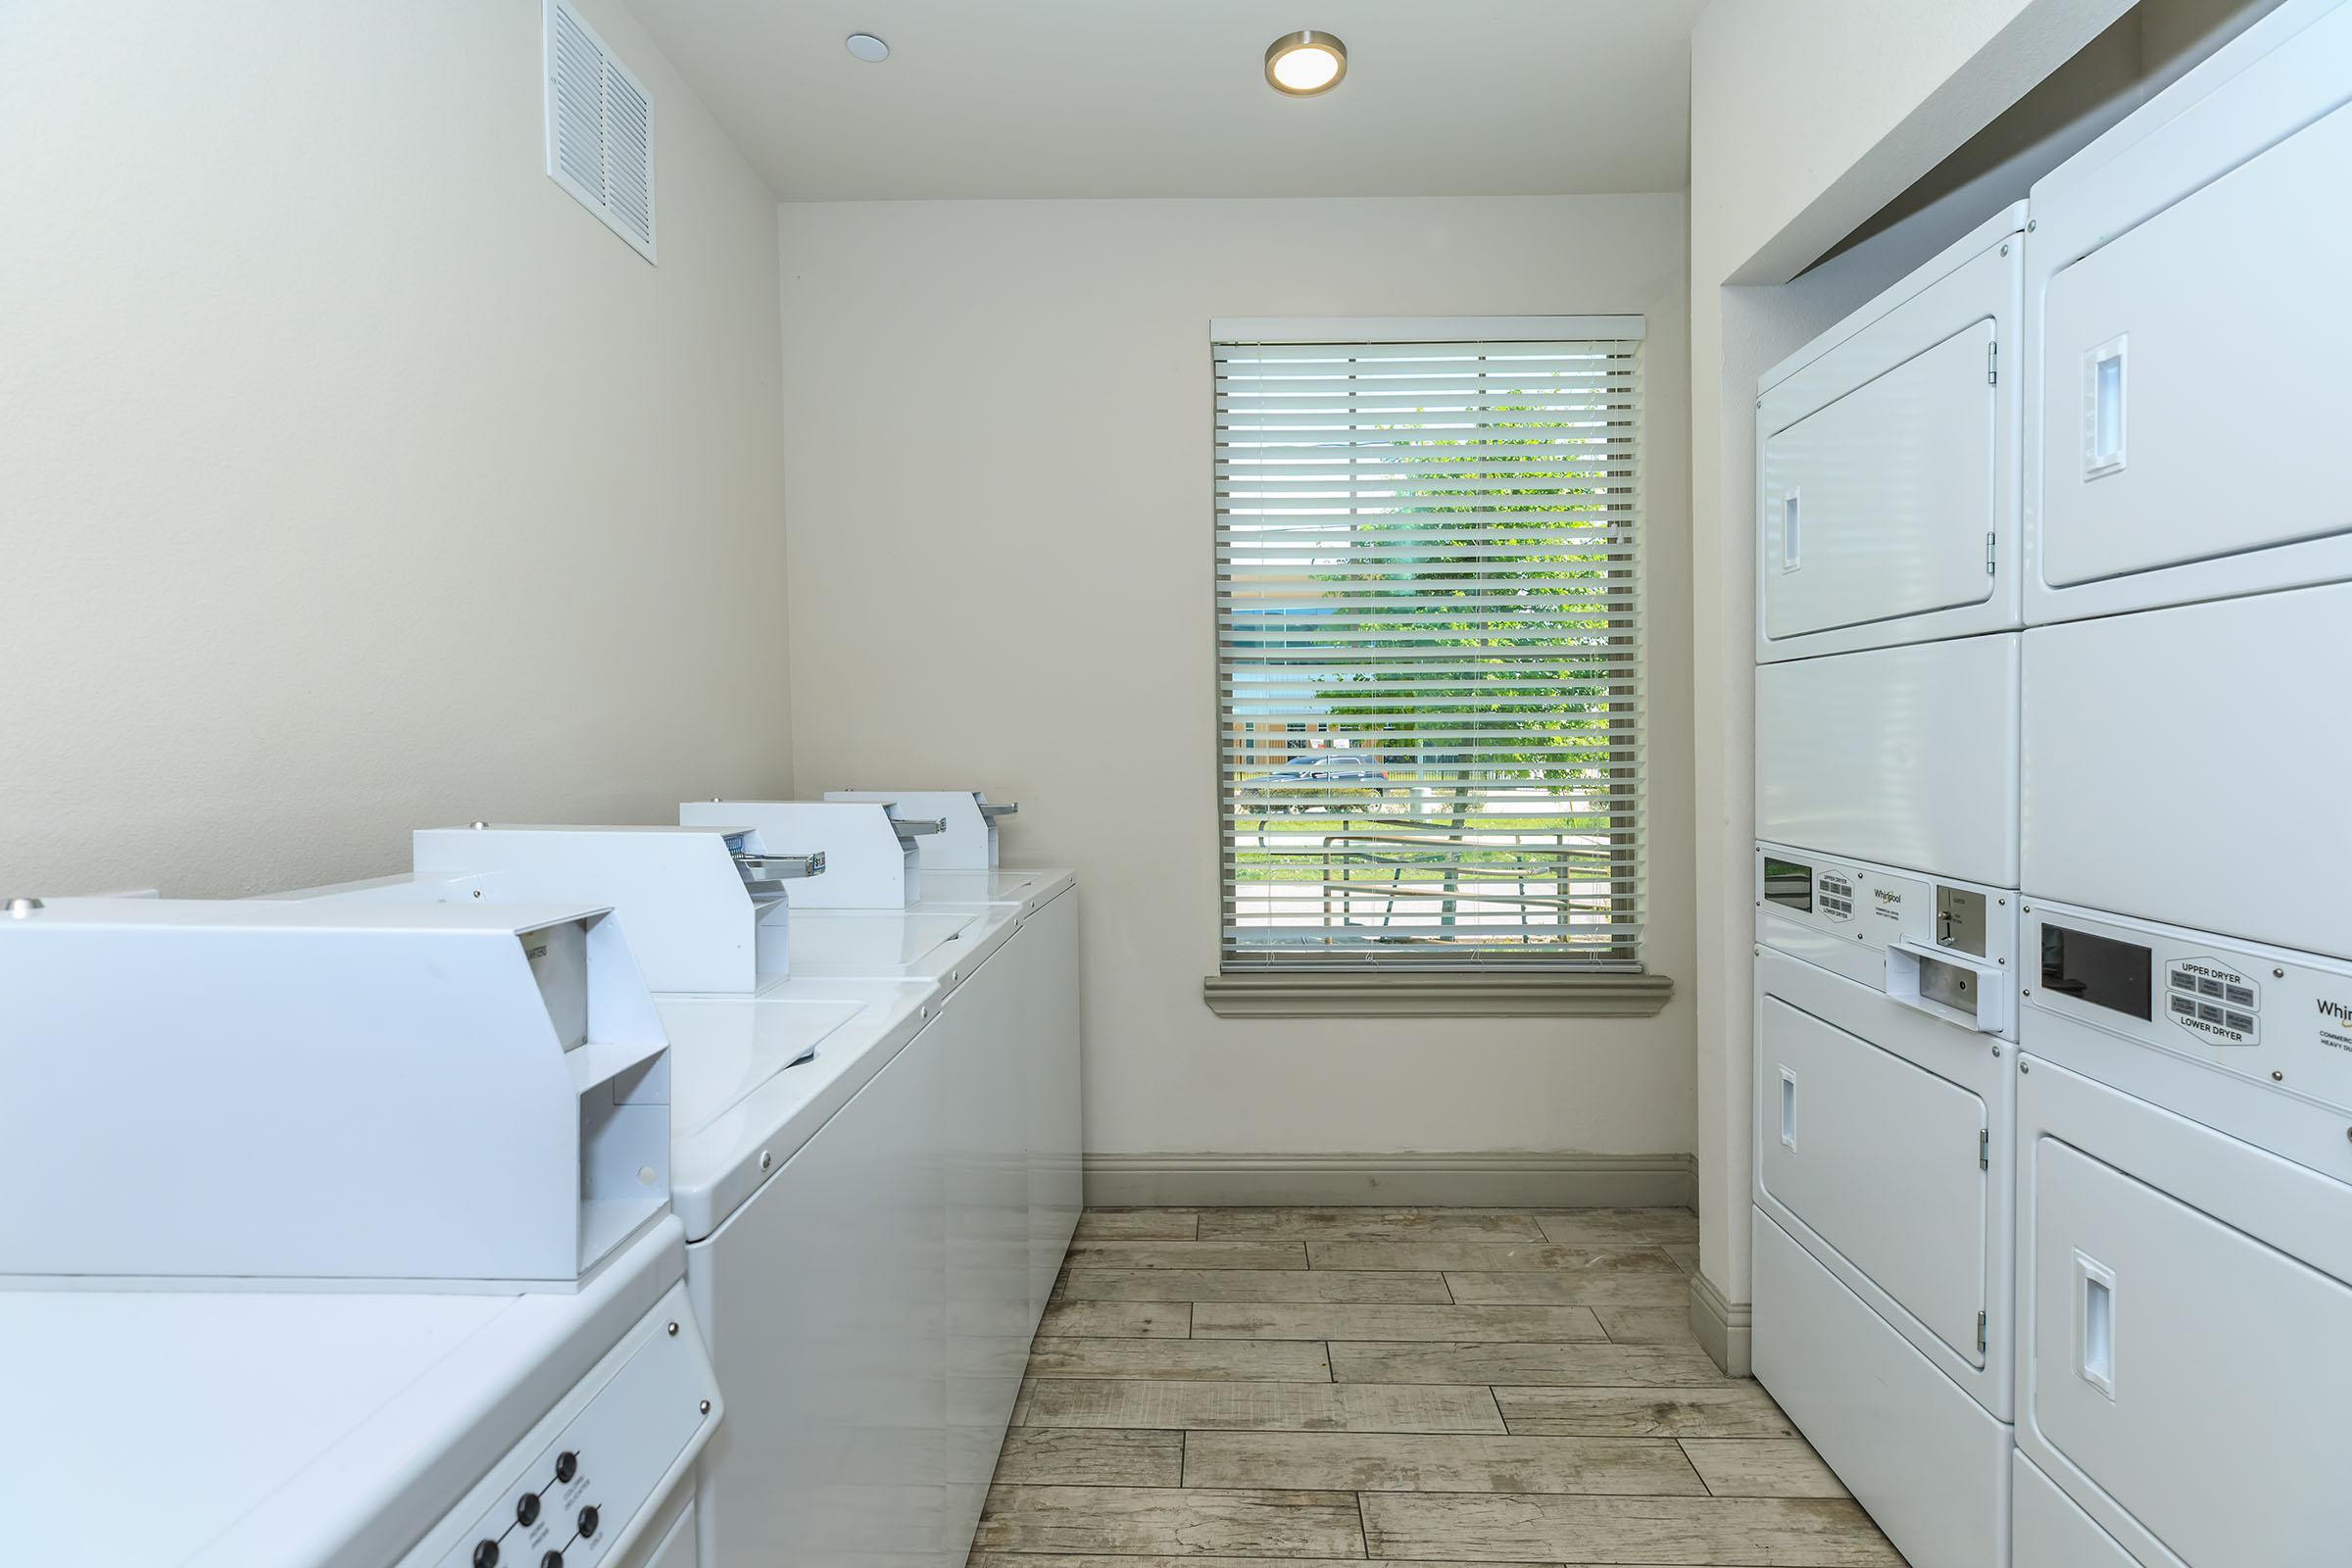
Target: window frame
<point>1618,985</point>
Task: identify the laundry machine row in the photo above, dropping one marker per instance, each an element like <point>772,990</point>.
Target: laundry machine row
<point>875,1147</point>
<point>2126,737</point>
<point>870,1139</point>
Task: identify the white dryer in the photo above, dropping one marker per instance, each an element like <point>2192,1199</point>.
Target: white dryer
<point>234,1428</point>
<point>2184,1248</point>
<point>2184,424</point>
<point>1885,1112</point>
<point>1886,456</point>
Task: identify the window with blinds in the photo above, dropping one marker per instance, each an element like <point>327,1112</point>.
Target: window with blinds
<point>1429,650</point>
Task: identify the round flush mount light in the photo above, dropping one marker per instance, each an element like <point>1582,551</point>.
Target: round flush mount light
<point>1303,63</point>
<point>866,47</point>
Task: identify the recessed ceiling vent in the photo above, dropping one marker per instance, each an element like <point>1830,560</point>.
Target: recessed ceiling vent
<point>600,128</point>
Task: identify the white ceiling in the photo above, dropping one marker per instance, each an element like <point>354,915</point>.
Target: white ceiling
<point>1009,98</point>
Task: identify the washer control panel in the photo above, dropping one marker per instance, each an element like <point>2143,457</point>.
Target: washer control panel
<point>580,1487</point>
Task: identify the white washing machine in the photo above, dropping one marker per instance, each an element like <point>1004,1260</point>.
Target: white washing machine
<point>274,1429</point>
<point>1907,756</point>
<point>1886,453</point>
<point>894,1272</point>
<point>2184,429</point>
<point>1885,1114</point>
<point>2184,1248</point>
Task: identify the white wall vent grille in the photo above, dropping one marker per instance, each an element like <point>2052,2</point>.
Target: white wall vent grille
<point>600,128</point>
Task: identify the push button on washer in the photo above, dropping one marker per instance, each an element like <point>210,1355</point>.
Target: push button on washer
<point>568,1465</point>
<point>588,1519</point>
<point>526,1508</point>
<point>485,1554</point>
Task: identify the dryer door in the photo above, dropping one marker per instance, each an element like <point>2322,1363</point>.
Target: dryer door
<point>2198,1376</point>
<point>1881,505</point>
<point>1877,1157</point>
<point>2188,426</point>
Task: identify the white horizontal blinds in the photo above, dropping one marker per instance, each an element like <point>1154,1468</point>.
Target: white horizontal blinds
<point>1429,653</point>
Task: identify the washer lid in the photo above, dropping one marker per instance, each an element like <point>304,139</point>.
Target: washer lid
<point>872,942</point>
<point>723,1047</point>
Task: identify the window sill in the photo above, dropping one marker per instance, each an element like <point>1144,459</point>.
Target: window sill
<point>1460,996</point>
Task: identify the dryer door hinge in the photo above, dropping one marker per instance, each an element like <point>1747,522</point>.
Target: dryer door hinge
<point>1979,1333</point>
<point>1989,544</point>
<point>1985,1150</point>
<point>1992,365</point>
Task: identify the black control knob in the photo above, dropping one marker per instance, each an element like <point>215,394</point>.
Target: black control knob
<point>588,1518</point>
<point>485,1554</point>
<point>526,1508</point>
<point>553,1559</point>
<point>568,1465</point>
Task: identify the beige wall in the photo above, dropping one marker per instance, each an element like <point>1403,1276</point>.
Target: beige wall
<point>356,477</point>
<point>997,423</point>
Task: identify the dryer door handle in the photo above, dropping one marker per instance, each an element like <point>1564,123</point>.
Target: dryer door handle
<point>2094,1323</point>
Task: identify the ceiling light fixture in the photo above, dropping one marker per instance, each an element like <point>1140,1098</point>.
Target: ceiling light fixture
<point>1303,63</point>
<point>866,47</point>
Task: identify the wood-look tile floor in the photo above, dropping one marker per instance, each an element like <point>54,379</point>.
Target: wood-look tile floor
<point>1222,1388</point>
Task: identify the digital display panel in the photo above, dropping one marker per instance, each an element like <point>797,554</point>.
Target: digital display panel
<point>2118,976</point>
<point>1789,884</point>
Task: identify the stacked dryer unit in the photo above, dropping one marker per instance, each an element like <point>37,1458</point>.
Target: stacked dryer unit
<point>2185,1162</point>
<point>1887,768</point>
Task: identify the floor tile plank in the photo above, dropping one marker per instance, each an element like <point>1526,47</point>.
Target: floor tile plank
<point>1182,1523</point>
<point>1340,1320</point>
<point>1797,1532</point>
<point>1648,1278</point>
<point>995,1559</point>
<point>1762,1467</point>
<point>1740,1410</point>
<point>1364,1461</point>
<point>1607,1366</point>
<point>1118,1320</point>
<point>1138,1225</point>
<point>1212,1406</point>
<point>1066,1456</point>
<point>1244,1360</point>
<point>1371,1224</point>
<point>1619,1227</point>
<point>1491,1258</point>
<point>1248,1285</point>
<point>1188,1254</point>
<point>1647,1325</point>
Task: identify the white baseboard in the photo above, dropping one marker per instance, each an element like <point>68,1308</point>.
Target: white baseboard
<point>1467,1181</point>
<point>1724,1328</point>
